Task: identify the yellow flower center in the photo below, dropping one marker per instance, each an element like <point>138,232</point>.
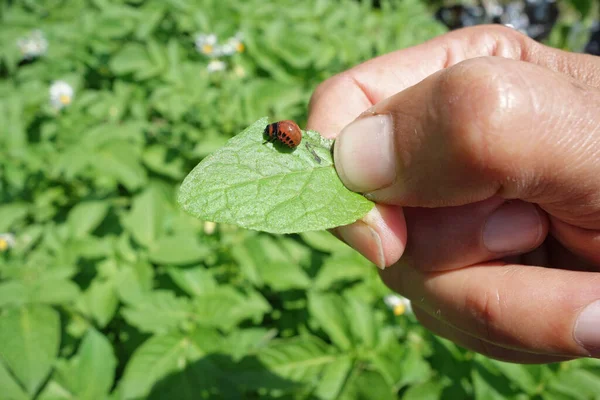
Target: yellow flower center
<point>3,244</point>
<point>240,47</point>
<point>399,309</point>
<point>64,99</point>
<point>207,49</point>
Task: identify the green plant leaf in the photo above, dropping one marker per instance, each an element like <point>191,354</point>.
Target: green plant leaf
<point>158,312</point>
<point>264,187</point>
<point>430,390</point>
<point>520,375</point>
<point>134,282</point>
<point>100,301</point>
<point>85,217</point>
<point>9,213</point>
<point>335,375</point>
<point>195,281</point>
<point>90,373</point>
<point>329,311</point>
<point>11,390</point>
<point>341,268</point>
<point>362,322</point>
<point>576,383</point>
<point>153,360</point>
<point>225,308</point>
<point>365,384</point>
<point>145,218</point>
<point>324,241</point>
<point>182,249</point>
<point>29,340</point>
<point>132,58</point>
<point>299,359</point>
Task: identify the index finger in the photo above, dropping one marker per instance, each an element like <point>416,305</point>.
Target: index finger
<point>342,98</point>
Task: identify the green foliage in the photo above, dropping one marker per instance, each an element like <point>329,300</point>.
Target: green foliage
<point>112,292</point>
<point>269,188</point>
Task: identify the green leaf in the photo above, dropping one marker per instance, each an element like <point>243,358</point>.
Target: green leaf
<point>519,374</point>
<point>182,249</point>
<point>153,360</point>
<point>10,213</point>
<point>487,385</point>
<point>90,373</point>
<point>132,58</point>
<point>10,388</point>
<point>264,187</point>
<point>85,217</point>
<point>299,359</point>
<point>158,159</point>
<point>324,241</point>
<point>53,291</point>
<point>414,368</point>
<point>144,221</point>
<point>13,292</point>
<point>100,301</point>
<point>365,384</point>
<point>175,364</point>
<point>334,377</point>
<point>247,341</point>
<point>276,265</point>
<point>96,366</point>
<point>29,341</point>
<point>158,312</point>
<point>328,311</point>
<point>225,308</point>
<point>195,281</point>
<point>575,383</point>
<point>431,390</point>
<point>345,267</point>
<point>119,160</point>
<point>362,321</point>
<point>134,282</point>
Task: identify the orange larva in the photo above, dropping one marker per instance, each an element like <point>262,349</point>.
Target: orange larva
<point>287,132</point>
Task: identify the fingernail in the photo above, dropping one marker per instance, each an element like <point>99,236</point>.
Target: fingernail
<point>365,240</point>
<point>364,154</point>
<point>512,227</point>
<point>587,329</point>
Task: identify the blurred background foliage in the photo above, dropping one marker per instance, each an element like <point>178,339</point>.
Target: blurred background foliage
<point>109,291</point>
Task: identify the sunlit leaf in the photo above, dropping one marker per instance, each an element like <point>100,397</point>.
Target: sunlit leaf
<point>263,187</point>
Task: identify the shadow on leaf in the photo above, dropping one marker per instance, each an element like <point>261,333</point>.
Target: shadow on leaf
<point>218,376</point>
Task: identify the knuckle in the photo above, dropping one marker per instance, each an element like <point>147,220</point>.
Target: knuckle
<point>485,310</point>
<point>478,103</point>
<point>331,87</point>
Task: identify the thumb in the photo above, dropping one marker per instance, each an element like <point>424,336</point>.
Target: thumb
<point>487,126</point>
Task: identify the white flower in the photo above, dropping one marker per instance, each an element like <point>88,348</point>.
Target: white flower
<point>209,227</point>
<point>227,49</point>
<point>233,45</point>
<point>61,94</point>
<point>398,304</point>
<point>239,71</point>
<point>32,46</point>
<point>206,44</point>
<point>7,241</point>
<point>216,66</point>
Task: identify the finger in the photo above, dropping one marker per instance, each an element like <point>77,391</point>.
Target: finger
<point>531,309</point>
<point>478,345</point>
<point>453,237</point>
<point>581,241</point>
<point>342,98</point>
<point>380,236</point>
<point>488,126</point>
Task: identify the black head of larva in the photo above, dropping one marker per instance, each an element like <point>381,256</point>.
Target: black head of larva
<point>286,132</point>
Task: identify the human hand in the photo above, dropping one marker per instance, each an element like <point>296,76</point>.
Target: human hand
<point>481,149</point>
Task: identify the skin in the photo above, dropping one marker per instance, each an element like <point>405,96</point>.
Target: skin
<point>484,122</point>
